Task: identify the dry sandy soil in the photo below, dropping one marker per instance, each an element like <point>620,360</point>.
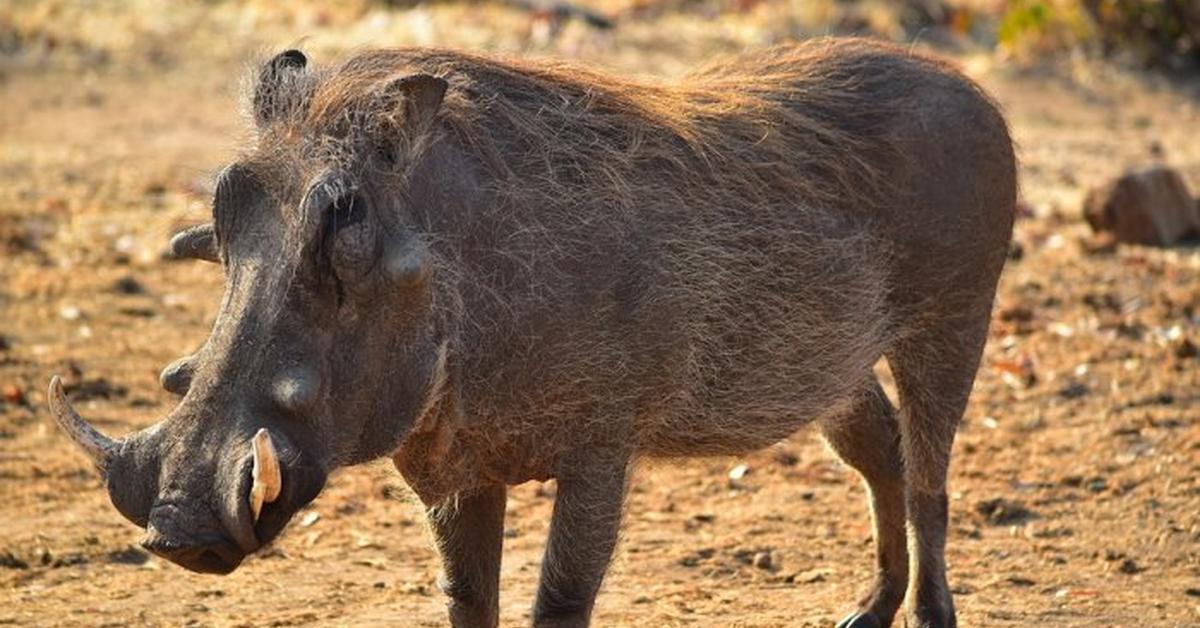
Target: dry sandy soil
<point>1076,498</point>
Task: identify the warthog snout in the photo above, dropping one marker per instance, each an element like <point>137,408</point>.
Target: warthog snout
<point>171,534</point>
<point>205,507</point>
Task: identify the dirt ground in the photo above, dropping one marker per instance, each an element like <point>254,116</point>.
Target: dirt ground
<point>1075,490</point>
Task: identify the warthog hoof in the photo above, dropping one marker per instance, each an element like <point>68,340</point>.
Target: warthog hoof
<point>860,620</point>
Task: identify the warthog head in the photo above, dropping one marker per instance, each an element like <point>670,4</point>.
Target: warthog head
<point>324,352</point>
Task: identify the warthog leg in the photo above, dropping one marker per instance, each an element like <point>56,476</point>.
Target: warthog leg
<point>469,531</point>
<point>583,533</point>
<point>934,369</point>
<point>868,440</point>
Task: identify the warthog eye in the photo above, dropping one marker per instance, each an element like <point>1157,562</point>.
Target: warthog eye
<point>345,211</point>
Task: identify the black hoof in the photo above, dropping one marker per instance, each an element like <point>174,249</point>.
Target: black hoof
<point>860,620</point>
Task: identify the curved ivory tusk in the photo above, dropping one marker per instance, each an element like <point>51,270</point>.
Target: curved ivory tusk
<point>97,446</point>
<point>199,242</point>
<point>267,479</point>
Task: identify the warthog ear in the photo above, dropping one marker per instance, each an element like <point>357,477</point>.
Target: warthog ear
<point>420,96</point>
<point>272,96</point>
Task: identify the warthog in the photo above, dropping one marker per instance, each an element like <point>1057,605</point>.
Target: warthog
<point>502,271</point>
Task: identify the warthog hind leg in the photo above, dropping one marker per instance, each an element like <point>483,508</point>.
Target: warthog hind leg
<point>868,440</point>
<point>583,533</point>
<point>934,370</point>
<point>469,530</point>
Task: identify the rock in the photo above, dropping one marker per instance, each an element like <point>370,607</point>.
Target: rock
<point>1074,390</point>
<point>739,472</point>
<point>1130,567</point>
<point>697,557</point>
<point>10,561</point>
<point>786,458</point>
<point>763,560</point>
<point>128,285</point>
<point>809,577</point>
<point>1016,251</point>
<point>14,395</point>
<point>1151,206</point>
<point>1004,512</point>
<point>131,555</point>
<point>1184,348</point>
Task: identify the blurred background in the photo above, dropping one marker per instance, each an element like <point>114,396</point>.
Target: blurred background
<point>1075,498</point>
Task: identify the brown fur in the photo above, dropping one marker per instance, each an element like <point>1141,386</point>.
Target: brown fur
<point>500,270</point>
<point>792,214</point>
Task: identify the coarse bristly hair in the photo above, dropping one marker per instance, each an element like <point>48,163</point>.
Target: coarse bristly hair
<point>746,210</point>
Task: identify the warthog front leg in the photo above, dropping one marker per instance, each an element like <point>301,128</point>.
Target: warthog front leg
<point>583,533</point>
<point>469,530</point>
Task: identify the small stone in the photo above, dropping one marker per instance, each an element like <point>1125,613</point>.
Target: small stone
<point>14,395</point>
<point>1016,251</point>
<point>1074,390</point>
<point>128,285</point>
<point>70,313</point>
<point>124,244</point>
<point>739,472</point>
<point>10,561</point>
<point>786,458</point>
<point>811,576</point>
<point>1184,349</point>
<point>129,556</point>
<point>1130,567</point>
<point>1004,512</point>
<point>763,560</point>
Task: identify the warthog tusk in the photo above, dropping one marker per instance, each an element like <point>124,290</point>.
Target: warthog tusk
<point>97,446</point>
<point>267,479</point>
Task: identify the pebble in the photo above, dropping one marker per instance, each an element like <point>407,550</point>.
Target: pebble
<point>739,472</point>
<point>14,395</point>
